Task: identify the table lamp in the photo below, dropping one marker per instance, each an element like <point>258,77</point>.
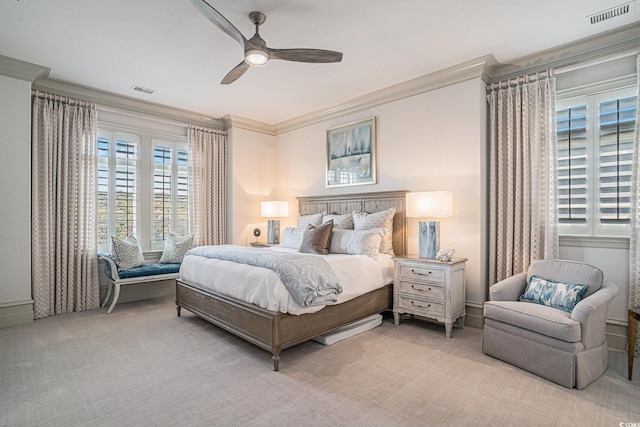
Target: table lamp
<point>429,204</point>
<point>274,209</point>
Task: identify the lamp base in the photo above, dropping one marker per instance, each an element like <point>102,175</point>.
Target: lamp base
<point>429,243</point>
<point>273,231</point>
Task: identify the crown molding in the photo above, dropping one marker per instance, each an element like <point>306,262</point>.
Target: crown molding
<point>110,99</point>
<point>623,39</point>
<point>22,70</point>
<point>231,120</point>
<point>468,70</point>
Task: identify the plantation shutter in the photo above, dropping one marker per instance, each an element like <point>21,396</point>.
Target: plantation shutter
<point>571,126</point>
<point>617,124</point>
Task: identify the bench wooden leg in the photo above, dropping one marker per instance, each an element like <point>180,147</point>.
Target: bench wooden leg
<point>109,289</point>
<point>116,295</point>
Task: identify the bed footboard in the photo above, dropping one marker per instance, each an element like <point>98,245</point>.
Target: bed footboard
<point>272,331</point>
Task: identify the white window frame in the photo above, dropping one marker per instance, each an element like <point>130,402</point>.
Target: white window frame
<point>174,145</point>
<point>144,193</point>
<point>592,99</point>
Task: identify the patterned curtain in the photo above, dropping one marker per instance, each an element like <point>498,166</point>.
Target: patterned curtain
<point>634,241</point>
<point>64,272</point>
<point>522,204</point>
<point>208,185</point>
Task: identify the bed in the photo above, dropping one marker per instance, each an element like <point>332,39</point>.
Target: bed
<point>276,331</point>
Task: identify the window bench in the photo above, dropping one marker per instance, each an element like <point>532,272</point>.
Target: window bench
<point>145,273</point>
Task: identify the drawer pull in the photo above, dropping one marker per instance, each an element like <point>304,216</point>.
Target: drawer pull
<point>420,274</point>
<point>421,290</point>
<point>420,306</point>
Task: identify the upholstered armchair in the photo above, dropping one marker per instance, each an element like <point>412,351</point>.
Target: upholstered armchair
<point>557,341</point>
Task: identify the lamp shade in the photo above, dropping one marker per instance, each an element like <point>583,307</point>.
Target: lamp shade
<point>274,209</point>
<point>429,204</point>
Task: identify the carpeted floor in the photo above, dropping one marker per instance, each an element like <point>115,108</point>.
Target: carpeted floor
<point>143,366</point>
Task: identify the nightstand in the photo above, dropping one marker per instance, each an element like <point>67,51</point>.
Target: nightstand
<point>429,288</point>
<point>261,245</point>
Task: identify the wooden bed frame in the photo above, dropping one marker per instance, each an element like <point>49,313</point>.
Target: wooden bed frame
<point>275,332</point>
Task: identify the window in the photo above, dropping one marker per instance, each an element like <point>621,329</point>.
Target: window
<point>143,187</point>
<point>595,135</point>
<point>170,191</point>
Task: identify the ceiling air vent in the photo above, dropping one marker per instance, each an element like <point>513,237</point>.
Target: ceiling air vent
<point>142,89</point>
<point>611,13</point>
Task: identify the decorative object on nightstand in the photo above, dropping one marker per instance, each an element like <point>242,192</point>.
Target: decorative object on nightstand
<point>430,289</point>
<point>445,255</point>
<point>274,209</point>
<point>429,204</point>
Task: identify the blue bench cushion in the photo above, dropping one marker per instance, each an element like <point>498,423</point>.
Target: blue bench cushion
<point>144,270</point>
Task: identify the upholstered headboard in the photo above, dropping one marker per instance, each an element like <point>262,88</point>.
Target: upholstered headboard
<point>366,202</point>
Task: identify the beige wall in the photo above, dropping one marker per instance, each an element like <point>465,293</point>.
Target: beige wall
<point>15,209</point>
<point>252,180</point>
<point>431,141</point>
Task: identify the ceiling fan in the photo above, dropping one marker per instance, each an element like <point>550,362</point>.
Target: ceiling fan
<point>256,52</point>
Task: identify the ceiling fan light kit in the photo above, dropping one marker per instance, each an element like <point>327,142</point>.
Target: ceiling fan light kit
<point>256,57</point>
<point>256,52</point>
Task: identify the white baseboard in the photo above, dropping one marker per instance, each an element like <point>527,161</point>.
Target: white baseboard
<point>16,313</point>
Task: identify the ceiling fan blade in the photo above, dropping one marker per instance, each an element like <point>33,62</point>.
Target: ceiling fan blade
<point>305,55</point>
<point>219,20</point>
<point>235,73</point>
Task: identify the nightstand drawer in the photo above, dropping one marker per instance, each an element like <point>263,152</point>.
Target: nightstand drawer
<point>421,307</point>
<point>422,290</point>
<point>432,274</point>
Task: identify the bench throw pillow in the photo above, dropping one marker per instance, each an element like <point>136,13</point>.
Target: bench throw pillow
<point>175,249</point>
<point>127,253</point>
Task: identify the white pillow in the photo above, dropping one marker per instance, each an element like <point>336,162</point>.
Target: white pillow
<point>340,221</point>
<point>382,219</point>
<point>175,249</point>
<point>357,242</point>
<point>127,253</point>
<point>292,238</point>
<point>313,219</point>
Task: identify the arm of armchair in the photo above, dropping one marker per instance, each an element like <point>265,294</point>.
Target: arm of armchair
<point>110,267</point>
<point>509,289</point>
<point>591,312</point>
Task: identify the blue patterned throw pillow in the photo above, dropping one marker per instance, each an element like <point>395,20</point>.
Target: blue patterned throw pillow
<point>560,295</point>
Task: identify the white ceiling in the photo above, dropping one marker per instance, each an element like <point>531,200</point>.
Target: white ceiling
<point>167,45</point>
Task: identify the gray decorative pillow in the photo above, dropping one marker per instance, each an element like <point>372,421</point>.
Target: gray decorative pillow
<point>313,219</point>
<point>356,242</point>
<point>175,249</point>
<point>382,219</point>
<point>316,240</point>
<point>127,253</point>
<point>292,238</point>
<point>340,221</point>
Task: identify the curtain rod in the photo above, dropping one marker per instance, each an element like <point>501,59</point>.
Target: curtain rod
<point>61,98</point>
<point>530,78</point>
<point>597,61</point>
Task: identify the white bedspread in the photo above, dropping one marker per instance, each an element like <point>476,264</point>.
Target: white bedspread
<point>358,274</point>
